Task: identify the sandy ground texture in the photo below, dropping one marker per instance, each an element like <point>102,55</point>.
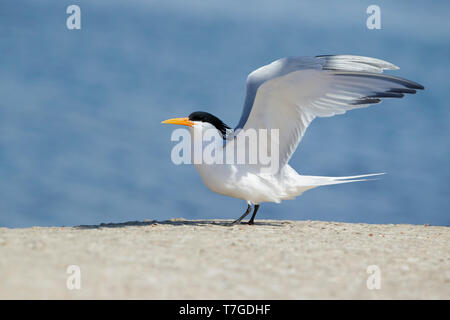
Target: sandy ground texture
<point>180,259</point>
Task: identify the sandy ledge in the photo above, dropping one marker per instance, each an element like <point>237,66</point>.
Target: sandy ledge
<point>180,259</point>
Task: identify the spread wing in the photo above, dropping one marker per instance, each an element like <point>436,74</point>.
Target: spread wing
<point>289,93</point>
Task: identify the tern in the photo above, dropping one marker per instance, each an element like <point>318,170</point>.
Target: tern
<point>287,95</point>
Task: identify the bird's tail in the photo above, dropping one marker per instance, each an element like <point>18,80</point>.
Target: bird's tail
<point>320,181</point>
<point>310,182</point>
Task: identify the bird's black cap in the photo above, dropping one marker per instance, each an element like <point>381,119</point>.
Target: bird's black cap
<point>208,117</point>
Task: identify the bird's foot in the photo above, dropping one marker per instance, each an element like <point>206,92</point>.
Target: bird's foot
<point>235,222</point>
<point>238,221</point>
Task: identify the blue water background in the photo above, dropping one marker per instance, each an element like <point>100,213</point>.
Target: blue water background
<point>80,111</point>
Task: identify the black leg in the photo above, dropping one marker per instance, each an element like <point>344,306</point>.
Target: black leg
<point>252,219</point>
<point>249,208</point>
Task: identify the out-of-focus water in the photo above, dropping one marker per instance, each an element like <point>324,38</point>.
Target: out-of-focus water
<point>80,111</point>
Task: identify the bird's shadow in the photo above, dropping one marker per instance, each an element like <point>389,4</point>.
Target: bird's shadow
<point>177,222</point>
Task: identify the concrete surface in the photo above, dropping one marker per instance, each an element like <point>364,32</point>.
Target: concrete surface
<point>181,259</point>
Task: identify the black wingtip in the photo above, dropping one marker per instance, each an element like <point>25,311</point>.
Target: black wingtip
<point>386,94</point>
<point>415,85</point>
<point>367,100</point>
<point>402,90</point>
<point>404,82</point>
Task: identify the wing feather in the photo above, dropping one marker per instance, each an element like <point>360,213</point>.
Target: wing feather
<point>289,93</point>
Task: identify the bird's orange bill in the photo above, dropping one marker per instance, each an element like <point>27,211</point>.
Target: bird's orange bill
<point>182,121</point>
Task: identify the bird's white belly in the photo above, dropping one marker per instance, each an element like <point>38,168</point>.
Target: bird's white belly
<point>238,182</point>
